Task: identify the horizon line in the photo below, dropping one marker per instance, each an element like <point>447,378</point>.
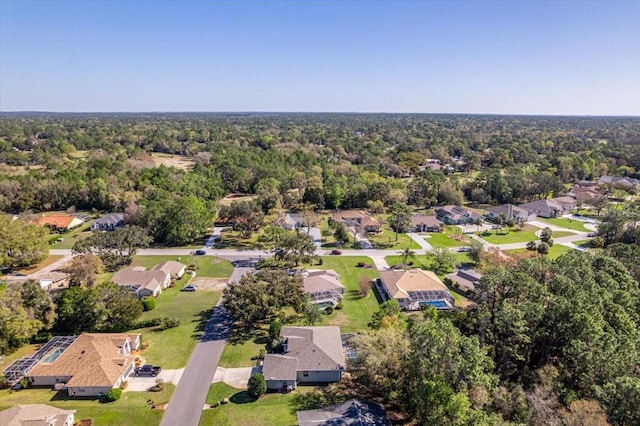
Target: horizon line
<point>322,112</point>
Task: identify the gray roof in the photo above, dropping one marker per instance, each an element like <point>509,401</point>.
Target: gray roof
<point>354,412</point>
<point>509,211</point>
<point>455,212</point>
<point>312,349</point>
<point>622,181</point>
<point>169,267</point>
<point>423,219</point>
<point>280,367</point>
<point>467,278</point>
<point>140,278</point>
<point>111,219</point>
<point>548,206</point>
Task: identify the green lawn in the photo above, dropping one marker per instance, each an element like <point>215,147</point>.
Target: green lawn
<point>235,239</point>
<point>452,236</point>
<point>272,409</point>
<point>386,240</point>
<point>555,251</point>
<point>132,409</point>
<point>527,233</point>
<point>566,223</point>
<point>172,348</point>
<point>70,238</point>
<point>208,266</point>
<point>240,354</point>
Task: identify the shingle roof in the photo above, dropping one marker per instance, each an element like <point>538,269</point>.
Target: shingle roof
<point>548,206</point>
<point>365,218</point>
<point>110,219</point>
<point>135,277</point>
<point>354,412</point>
<point>170,267</point>
<point>423,219</point>
<point>321,281</point>
<point>312,349</point>
<point>94,359</point>
<point>34,415</point>
<point>400,283</point>
<point>467,278</point>
<point>509,211</point>
<point>59,221</point>
<point>54,276</point>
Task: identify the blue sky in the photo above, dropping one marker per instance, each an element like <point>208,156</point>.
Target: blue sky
<point>518,57</point>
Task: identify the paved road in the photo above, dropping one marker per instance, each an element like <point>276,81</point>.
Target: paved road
<point>187,402</point>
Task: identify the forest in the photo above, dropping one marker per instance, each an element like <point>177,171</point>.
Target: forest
<point>547,342</point>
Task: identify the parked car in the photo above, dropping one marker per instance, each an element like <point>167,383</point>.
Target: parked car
<point>464,249</point>
<point>147,371</point>
<point>335,252</point>
<point>190,287</point>
<point>200,252</point>
<point>592,234</point>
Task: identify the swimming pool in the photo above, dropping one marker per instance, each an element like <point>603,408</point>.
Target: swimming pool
<point>435,303</point>
<point>54,355</point>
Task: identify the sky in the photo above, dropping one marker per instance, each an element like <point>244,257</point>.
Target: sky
<point>489,57</point>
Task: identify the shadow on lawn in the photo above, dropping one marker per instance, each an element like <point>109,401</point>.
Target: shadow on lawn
<point>241,398</point>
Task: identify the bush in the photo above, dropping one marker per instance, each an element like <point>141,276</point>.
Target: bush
<point>168,323</point>
<point>339,306</point>
<point>360,265</point>
<point>159,386</point>
<point>148,304</point>
<point>257,386</point>
<point>42,337</point>
<point>113,395</point>
<point>328,310</point>
<point>320,261</point>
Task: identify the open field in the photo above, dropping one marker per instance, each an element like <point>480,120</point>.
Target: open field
<point>566,223</point>
<point>70,238</point>
<point>527,233</point>
<point>171,348</point>
<point>272,409</point>
<point>132,409</point>
<point>7,170</point>
<point>452,236</point>
<point>172,160</point>
<point>207,266</point>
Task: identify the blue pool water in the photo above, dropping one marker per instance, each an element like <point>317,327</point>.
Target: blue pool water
<point>435,303</point>
<point>53,356</point>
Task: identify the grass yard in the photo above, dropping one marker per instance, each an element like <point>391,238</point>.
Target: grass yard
<point>240,354</point>
<point>527,233</point>
<point>555,251</point>
<point>71,237</point>
<point>34,268</point>
<point>566,223</point>
<point>234,239</point>
<point>208,266</point>
<point>451,237</point>
<point>272,409</point>
<point>172,348</point>
<point>386,240</point>
<point>132,409</point>
<point>357,310</point>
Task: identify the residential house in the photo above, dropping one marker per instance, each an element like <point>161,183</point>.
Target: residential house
<point>175,269</point>
<point>467,279</point>
<point>60,222</point>
<point>420,222</point>
<point>292,221</point>
<point>568,203</point>
<point>91,365</point>
<point>585,194</point>
<point>143,282</point>
<point>108,222</point>
<point>620,182</point>
<point>53,280</point>
<point>545,208</point>
<point>36,415</point>
<point>358,219</point>
<point>456,215</point>
<point>353,412</point>
<point>311,355</point>
<point>510,212</point>
<point>323,287</point>
<point>414,288</point>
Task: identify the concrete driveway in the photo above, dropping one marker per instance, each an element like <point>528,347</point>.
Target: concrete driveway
<point>141,384</point>
<point>235,377</point>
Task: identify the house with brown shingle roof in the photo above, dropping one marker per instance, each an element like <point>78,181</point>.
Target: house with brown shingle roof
<point>173,268</point>
<point>420,222</point>
<point>60,222</point>
<point>414,288</point>
<point>323,287</point>
<point>510,212</point>
<point>92,365</point>
<point>311,355</point>
<point>358,219</point>
<point>36,415</point>
<point>143,282</point>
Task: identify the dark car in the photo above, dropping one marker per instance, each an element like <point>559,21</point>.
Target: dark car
<point>336,252</point>
<point>592,234</point>
<point>147,371</point>
<point>200,252</point>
